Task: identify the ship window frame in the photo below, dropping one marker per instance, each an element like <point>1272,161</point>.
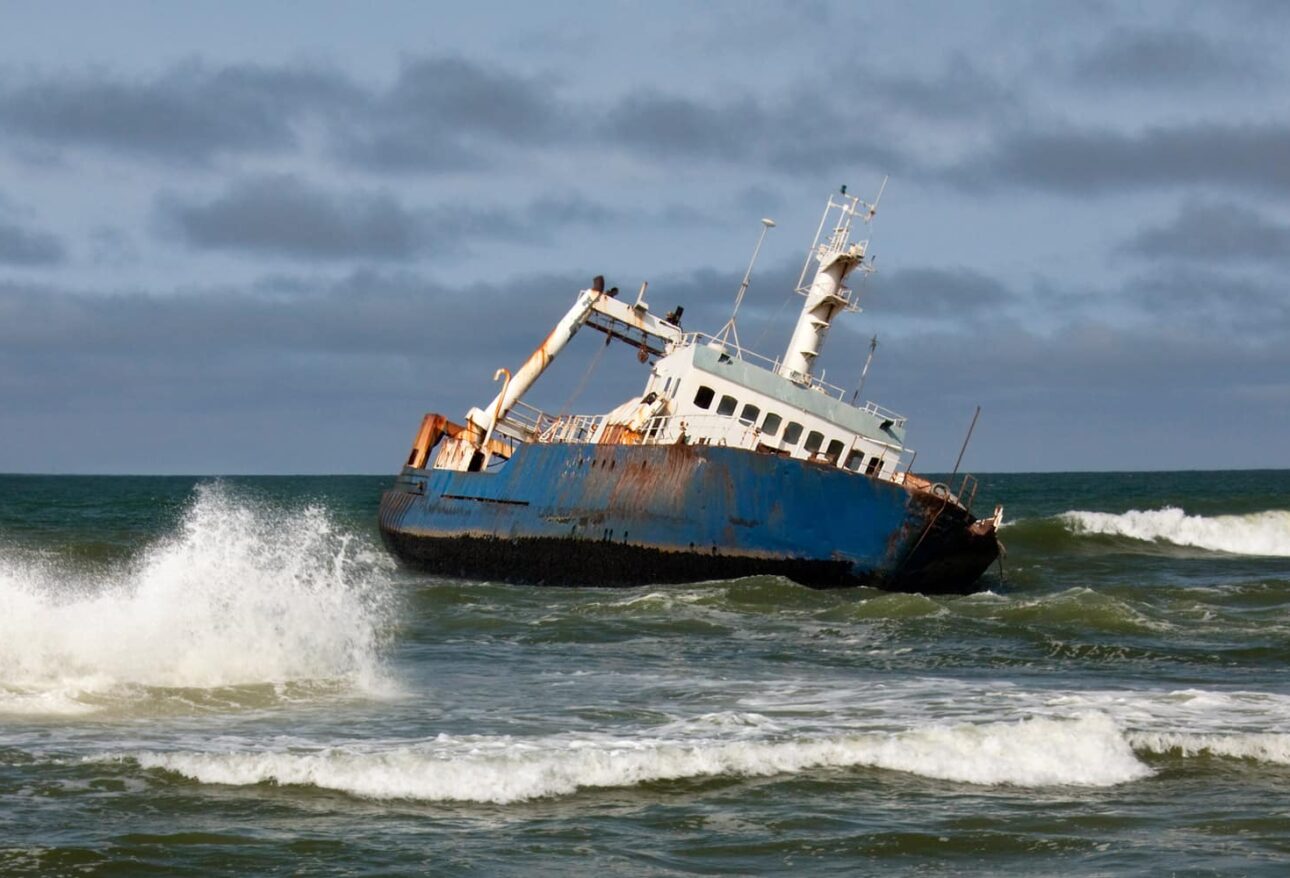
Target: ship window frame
<point>833,453</point>
<point>767,428</point>
<point>750,419</point>
<point>707,399</point>
<point>875,466</point>
<point>855,460</point>
<point>814,436</point>
<point>796,430</point>
<point>725,411</point>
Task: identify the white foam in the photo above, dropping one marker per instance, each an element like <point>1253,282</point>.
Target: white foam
<point>240,595</point>
<point>1258,533</point>
<point>1083,751</point>
<point>1261,747</point>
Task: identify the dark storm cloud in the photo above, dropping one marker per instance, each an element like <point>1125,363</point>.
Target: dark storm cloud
<point>1166,59</point>
<point>188,113</point>
<point>22,246</point>
<point>1206,232</point>
<point>1251,157</point>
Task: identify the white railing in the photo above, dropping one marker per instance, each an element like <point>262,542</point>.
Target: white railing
<point>701,430</point>
<point>659,430</point>
<point>814,383</point>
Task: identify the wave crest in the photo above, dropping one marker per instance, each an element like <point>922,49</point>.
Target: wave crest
<point>1269,747</point>
<point>1257,533</point>
<point>1084,751</point>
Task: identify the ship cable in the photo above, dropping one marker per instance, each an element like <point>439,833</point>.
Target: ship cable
<point>586,376</point>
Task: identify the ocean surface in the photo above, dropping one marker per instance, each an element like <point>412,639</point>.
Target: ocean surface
<point>229,677</point>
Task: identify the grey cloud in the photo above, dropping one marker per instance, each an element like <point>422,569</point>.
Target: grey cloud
<point>746,129</point>
<point>282,215</point>
<point>937,292</point>
<point>670,125</point>
<point>1167,59</point>
<point>960,91</point>
<point>189,113</point>
<point>1076,162</point>
<point>1214,301</point>
<point>22,246</point>
<point>1207,232</point>
<point>445,114</point>
<point>354,360</point>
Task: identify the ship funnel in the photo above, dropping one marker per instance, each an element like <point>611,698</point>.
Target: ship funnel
<point>836,256</point>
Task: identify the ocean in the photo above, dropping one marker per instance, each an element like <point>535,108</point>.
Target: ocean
<point>204,676</point>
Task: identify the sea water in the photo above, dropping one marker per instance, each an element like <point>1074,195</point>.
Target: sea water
<point>230,676</point>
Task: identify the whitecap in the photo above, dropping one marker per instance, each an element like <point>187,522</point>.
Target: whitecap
<point>1256,533</point>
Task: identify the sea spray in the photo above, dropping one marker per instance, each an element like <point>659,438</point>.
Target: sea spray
<point>241,594</point>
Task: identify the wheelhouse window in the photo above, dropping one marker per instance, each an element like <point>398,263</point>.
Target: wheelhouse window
<point>750,413</point>
<point>703,398</point>
<point>834,451</point>
<point>770,426</point>
<point>854,460</point>
<point>792,432</point>
<point>874,467</point>
<point>727,405</point>
<point>814,440</point>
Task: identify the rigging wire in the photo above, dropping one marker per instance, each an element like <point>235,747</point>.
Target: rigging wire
<point>586,376</point>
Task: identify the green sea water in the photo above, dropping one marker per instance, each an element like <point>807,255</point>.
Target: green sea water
<point>229,676</point>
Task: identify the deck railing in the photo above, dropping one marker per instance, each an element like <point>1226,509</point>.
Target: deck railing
<point>811,381</point>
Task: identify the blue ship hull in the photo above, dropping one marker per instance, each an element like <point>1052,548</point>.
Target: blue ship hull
<point>610,515</point>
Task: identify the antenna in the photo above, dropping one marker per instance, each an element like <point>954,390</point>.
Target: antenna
<point>864,373</point>
<point>873,208</point>
<point>729,329</point>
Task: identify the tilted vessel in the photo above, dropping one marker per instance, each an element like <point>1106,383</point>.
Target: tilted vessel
<point>727,464</point>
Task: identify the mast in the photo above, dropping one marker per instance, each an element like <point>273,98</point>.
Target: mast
<point>827,294</point>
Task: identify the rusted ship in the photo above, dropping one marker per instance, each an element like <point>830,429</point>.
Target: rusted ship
<point>727,464</point>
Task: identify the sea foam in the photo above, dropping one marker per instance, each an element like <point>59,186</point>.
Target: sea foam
<point>1087,750</point>
<point>1269,747</point>
<point>1257,533</point>
<point>240,595</point>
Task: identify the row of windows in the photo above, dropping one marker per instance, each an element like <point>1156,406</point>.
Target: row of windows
<point>792,433</point>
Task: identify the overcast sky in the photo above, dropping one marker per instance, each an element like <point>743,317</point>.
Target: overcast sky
<point>258,238</point>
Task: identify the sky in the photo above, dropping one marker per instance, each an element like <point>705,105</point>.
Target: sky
<point>266,238</point>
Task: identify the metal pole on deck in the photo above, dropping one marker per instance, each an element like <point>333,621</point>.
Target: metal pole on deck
<point>864,373</point>
<point>729,329</point>
<point>966,439</point>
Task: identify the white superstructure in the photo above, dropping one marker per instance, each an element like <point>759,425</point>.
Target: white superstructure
<point>710,391</point>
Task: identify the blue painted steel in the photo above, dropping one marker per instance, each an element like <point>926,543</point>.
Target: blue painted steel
<point>676,498</point>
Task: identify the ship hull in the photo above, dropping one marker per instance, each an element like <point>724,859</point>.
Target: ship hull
<point>621,515</point>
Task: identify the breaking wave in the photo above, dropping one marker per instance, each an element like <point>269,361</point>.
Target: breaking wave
<point>1269,747</point>
<point>240,596</point>
<point>1087,750</point>
<point>1257,533</point>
